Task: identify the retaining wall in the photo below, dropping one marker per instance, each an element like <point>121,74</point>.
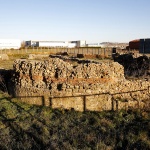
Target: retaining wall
<point>86,86</point>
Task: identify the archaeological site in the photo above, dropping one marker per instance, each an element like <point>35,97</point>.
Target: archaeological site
<point>78,85</point>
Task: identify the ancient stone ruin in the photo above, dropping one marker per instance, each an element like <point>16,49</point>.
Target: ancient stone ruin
<point>136,67</point>
<point>85,86</point>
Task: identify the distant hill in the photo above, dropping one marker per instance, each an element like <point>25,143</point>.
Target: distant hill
<point>115,44</point>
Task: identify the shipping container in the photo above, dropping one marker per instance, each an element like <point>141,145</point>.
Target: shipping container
<point>135,44</point>
<point>144,46</point>
<point>141,50</point>
<point>147,46</point>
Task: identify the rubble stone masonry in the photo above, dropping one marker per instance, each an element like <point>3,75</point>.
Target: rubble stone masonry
<point>86,86</point>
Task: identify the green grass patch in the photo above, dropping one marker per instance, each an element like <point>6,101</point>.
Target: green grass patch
<point>24,126</point>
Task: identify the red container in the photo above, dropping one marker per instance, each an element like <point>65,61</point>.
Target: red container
<point>135,44</point>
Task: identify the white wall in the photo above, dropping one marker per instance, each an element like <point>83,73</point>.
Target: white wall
<point>51,44</point>
<point>96,45</point>
<point>71,45</point>
<point>56,44</point>
<point>82,43</point>
<point>10,43</point>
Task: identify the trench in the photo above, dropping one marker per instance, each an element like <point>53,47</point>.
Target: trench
<point>6,82</point>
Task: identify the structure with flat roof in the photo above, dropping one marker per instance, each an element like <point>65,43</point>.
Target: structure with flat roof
<point>10,43</point>
<point>69,44</point>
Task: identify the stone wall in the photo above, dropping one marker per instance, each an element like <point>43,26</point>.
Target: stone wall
<point>86,86</point>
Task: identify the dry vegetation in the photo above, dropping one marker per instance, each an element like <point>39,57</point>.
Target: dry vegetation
<point>8,64</point>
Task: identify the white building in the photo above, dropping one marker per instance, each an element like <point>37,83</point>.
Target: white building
<point>51,44</point>
<point>10,44</point>
<point>30,43</point>
<point>69,44</point>
<point>79,43</point>
<point>82,43</point>
<point>96,45</point>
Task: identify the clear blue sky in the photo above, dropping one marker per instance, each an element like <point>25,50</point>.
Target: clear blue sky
<point>90,20</point>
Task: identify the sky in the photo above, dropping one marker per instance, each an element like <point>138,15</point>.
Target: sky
<point>66,20</point>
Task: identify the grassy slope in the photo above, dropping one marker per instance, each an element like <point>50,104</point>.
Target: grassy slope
<point>25,126</point>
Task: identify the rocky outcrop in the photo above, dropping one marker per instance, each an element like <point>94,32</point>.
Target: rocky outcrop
<point>92,86</point>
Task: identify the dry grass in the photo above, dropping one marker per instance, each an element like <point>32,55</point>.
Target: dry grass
<point>8,64</point>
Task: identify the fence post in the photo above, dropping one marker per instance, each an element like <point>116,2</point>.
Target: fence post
<point>50,102</point>
<point>104,51</point>
<point>84,103</point>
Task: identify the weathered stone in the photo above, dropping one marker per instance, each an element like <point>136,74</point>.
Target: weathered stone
<point>57,78</point>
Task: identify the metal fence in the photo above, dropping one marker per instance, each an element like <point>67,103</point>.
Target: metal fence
<point>40,50</point>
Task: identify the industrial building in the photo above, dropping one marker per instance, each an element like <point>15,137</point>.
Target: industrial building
<point>30,43</point>
<point>108,45</point>
<point>69,44</point>
<point>143,45</point>
<point>10,43</point>
<point>96,45</point>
